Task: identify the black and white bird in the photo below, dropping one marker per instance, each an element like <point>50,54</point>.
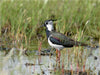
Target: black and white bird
<point>59,40</point>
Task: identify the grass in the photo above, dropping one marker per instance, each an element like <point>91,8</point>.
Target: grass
<point>20,19</point>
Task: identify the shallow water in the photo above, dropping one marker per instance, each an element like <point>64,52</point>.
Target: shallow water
<point>20,64</point>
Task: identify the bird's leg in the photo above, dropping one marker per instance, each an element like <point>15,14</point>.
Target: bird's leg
<point>58,54</point>
<point>56,57</point>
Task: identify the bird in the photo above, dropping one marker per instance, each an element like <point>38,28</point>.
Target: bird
<point>58,40</point>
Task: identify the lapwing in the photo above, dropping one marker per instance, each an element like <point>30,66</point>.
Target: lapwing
<point>58,40</point>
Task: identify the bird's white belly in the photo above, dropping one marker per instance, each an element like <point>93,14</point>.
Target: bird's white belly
<point>59,47</point>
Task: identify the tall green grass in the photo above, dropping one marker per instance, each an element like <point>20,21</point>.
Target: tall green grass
<point>20,19</point>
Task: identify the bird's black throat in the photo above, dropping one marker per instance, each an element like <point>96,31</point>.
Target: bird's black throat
<point>48,33</point>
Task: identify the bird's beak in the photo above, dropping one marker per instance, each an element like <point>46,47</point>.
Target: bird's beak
<point>42,26</point>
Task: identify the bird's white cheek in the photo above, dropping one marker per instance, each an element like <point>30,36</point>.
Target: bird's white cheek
<point>50,27</point>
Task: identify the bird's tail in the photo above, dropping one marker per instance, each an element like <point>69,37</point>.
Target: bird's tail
<point>83,44</point>
<point>80,44</point>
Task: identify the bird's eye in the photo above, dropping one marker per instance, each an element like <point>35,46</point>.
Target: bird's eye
<point>46,23</point>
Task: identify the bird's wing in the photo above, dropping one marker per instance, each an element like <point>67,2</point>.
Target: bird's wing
<point>60,39</point>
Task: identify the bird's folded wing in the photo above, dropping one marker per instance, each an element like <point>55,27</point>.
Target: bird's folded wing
<point>60,39</point>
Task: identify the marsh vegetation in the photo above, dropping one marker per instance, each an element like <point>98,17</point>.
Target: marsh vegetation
<point>19,32</point>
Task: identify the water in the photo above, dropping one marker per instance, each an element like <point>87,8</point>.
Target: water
<point>93,62</point>
<point>15,63</point>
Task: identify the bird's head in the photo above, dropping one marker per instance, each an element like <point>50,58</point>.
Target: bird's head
<point>49,25</point>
